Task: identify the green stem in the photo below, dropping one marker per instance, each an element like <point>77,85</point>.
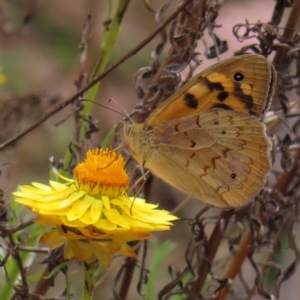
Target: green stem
<point>110,35</point>
<point>106,48</point>
<point>89,279</point>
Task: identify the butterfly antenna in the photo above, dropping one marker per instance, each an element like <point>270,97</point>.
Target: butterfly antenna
<point>121,147</point>
<point>180,205</point>
<point>143,177</point>
<point>101,105</point>
<point>137,193</point>
<point>126,115</point>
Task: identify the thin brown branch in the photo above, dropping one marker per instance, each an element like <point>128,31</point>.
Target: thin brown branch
<point>44,250</point>
<point>127,278</point>
<point>236,262</point>
<point>23,289</point>
<point>45,283</point>
<point>19,226</point>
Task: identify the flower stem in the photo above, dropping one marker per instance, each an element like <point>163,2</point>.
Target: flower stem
<point>106,49</point>
<point>89,279</point>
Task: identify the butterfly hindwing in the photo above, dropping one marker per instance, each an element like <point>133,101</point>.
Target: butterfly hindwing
<point>228,163</point>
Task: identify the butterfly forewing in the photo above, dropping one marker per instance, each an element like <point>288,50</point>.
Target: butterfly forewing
<point>244,83</point>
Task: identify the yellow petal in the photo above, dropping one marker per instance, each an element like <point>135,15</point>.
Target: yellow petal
<point>73,197</point>
<point>74,223</point>
<point>109,246</point>
<point>118,201</point>
<point>25,201</point>
<point>79,208</point>
<point>58,212</point>
<point>86,218</point>
<point>81,249</point>
<point>48,220</point>
<point>59,195</point>
<point>160,227</point>
<point>25,195</point>
<point>52,237</point>
<point>114,216</point>
<point>104,257</point>
<point>134,199</point>
<point>105,200</point>
<point>68,251</point>
<point>137,224</point>
<point>105,224</point>
<point>96,210</point>
<point>92,234</point>
<point>57,185</point>
<point>127,250</point>
<point>123,235</point>
<point>42,186</point>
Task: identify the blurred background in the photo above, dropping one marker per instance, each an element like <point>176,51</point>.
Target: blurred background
<point>39,55</point>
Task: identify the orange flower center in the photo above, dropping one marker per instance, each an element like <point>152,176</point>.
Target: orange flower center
<point>102,173</point>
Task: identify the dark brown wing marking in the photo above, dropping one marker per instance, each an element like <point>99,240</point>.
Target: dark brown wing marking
<point>193,144</point>
<point>222,96</point>
<point>212,86</point>
<point>238,92</point>
<point>190,101</point>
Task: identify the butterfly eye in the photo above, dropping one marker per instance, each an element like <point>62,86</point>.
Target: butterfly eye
<point>233,175</point>
<point>216,122</point>
<point>238,76</point>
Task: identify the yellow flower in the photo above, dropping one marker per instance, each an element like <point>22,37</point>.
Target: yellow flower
<point>93,211</point>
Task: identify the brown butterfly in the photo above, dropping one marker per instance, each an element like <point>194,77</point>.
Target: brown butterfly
<point>208,139</point>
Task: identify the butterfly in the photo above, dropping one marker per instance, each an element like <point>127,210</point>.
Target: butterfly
<point>208,139</point>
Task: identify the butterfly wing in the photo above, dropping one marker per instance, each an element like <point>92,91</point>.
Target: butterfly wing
<point>244,83</point>
<point>207,139</point>
<point>220,157</point>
